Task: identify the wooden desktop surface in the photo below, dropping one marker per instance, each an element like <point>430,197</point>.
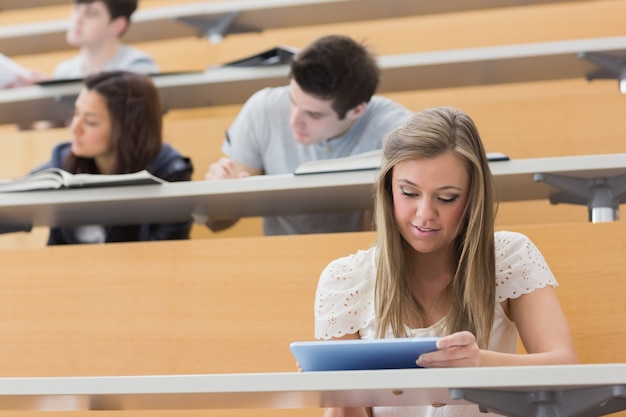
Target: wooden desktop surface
<point>322,389</point>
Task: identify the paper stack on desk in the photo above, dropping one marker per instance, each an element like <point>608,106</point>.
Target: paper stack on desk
<point>10,70</point>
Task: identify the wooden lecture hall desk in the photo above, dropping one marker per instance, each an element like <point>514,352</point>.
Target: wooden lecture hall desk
<point>216,19</point>
<point>533,391</point>
<point>403,72</point>
<point>599,181</point>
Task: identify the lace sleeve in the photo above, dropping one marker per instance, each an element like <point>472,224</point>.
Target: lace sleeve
<point>520,266</point>
<point>344,302</point>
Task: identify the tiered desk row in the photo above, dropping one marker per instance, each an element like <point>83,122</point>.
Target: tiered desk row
<point>595,181</point>
<point>206,324</point>
<point>583,390</point>
<point>226,85</point>
<point>217,19</point>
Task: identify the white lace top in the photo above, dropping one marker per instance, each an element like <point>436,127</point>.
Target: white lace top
<point>344,304</point>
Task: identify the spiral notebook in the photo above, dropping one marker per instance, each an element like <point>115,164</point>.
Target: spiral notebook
<point>360,354</point>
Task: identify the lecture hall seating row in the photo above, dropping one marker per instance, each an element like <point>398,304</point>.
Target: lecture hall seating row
<point>233,305</point>
<point>217,19</point>
<point>226,85</point>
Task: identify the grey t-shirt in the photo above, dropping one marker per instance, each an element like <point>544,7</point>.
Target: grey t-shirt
<point>127,58</point>
<point>261,137</point>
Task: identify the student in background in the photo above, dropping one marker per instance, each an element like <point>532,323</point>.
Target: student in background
<point>97,27</point>
<point>116,129</point>
<point>439,269</point>
<point>328,110</point>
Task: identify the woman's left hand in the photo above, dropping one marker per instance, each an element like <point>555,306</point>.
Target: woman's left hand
<point>455,350</point>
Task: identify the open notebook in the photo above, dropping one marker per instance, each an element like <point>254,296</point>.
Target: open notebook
<point>54,178</point>
<point>355,354</point>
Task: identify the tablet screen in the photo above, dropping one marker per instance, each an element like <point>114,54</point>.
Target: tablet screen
<point>355,354</point>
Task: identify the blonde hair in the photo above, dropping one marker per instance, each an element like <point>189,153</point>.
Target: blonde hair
<point>428,134</point>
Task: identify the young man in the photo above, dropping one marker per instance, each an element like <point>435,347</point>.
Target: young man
<point>328,110</point>
<point>97,27</point>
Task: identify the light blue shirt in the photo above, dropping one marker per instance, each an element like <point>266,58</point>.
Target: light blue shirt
<point>127,58</point>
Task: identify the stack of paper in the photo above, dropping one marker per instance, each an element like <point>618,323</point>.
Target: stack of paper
<point>10,70</point>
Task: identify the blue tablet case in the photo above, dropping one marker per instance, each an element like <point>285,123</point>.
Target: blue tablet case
<point>356,354</point>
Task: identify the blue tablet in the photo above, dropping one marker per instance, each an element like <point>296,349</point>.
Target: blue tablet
<point>356,354</point>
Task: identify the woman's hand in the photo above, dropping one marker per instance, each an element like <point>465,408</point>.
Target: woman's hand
<point>456,350</point>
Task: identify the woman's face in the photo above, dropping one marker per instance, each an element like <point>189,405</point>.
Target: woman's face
<point>429,197</point>
<point>91,127</point>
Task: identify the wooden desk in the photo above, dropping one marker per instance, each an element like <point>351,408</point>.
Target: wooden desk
<point>155,308</point>
<point>164,22</point>
<point>217,19</point>
<point>403,72</point>
<point>24,4</point>
<point>216,86</point>
<point>269,195</point>
<point>582,390</point>
<point>540,61</point>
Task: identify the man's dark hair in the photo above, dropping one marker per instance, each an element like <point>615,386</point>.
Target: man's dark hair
<point>336,68</point>
<point>116,8</point>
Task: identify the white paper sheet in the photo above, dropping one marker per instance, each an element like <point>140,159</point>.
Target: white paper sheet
<point>9,70</point>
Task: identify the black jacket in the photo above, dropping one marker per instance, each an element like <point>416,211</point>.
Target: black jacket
<point>169,165</point>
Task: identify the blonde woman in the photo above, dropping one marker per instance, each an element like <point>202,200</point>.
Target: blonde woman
<point>439,269</point>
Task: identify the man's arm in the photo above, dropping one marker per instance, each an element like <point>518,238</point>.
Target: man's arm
<point>226,168</point>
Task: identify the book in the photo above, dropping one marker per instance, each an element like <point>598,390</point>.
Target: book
<point>10,70</point>
<point>56,178</point>
<point>361,162</point>
<point>280,55</point>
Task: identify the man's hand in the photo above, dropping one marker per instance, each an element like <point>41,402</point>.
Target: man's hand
<point>223,169</point>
